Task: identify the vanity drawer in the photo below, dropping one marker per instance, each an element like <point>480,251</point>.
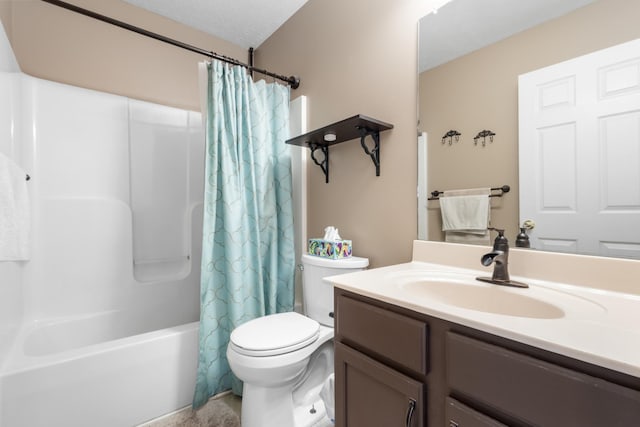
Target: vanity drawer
<point>534,391</point>
<point>400,340</point>
<point>459,415</point>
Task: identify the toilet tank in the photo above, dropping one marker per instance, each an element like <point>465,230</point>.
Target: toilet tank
<point>317,295</point>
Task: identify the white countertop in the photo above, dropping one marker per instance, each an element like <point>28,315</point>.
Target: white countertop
<point>596,324</point>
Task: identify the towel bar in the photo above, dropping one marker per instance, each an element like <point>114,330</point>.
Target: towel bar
<point>435,195</point>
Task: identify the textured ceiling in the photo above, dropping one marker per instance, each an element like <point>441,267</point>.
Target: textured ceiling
<point>246,23</point>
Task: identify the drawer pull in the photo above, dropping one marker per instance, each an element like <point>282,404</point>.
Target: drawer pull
<point>410,410</point>
<point>453,423</point>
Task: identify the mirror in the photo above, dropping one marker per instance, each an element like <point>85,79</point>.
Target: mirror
<point>471,54</point>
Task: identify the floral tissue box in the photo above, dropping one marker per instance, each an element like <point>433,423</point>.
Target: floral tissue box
<point>330,249</point>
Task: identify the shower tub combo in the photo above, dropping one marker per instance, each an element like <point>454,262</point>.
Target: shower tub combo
<point>103,322</point>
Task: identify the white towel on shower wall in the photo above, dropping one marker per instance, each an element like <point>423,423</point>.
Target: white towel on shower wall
<point>15,218</point>
<point>465,215</point>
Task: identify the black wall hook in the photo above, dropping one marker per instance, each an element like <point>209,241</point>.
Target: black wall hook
<point>483,135</point>
<point>450,136</point>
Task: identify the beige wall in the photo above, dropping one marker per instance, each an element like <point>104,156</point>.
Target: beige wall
<point>60,45</point>
<point>353,57</point>
<point>358,56</point>
<point>479,91</point>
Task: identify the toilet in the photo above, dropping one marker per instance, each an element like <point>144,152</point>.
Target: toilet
<point>286,359</point>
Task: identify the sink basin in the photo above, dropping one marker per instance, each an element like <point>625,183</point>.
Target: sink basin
<point>483,298</point>
<point>463,291</point>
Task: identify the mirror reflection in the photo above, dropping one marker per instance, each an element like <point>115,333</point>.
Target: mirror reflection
<point>472,53</point>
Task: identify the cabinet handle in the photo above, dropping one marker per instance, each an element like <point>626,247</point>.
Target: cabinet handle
<point>410,410</point>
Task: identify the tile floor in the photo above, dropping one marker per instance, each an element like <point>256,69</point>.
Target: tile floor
<point>220,411</point>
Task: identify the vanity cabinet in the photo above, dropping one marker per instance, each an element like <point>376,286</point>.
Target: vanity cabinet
<point>534,391</point>
<point>388,356</point>
<point>380,366</point>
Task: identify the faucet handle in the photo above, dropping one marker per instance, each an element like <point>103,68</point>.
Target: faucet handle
<point>501,243</point>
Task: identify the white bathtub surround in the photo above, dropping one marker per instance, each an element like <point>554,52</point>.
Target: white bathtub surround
<point>15,212</point>
<point>87,335</point>
<point>163,187</point>
<point>222,410</point>
<point>583,307</point>
<point>11,289</point>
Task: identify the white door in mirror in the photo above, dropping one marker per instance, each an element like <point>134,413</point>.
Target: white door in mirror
<point>579,130</point>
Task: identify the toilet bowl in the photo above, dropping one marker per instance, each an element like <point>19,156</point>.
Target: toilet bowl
<point>285,359</point>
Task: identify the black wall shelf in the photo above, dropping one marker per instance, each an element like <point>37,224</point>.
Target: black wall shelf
<point>358,126</point>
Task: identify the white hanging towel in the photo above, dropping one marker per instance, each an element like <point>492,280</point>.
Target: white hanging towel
<point>15,217</point>
<point>465,215</point>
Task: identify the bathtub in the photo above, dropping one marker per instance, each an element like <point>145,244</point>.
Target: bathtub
<point>92,371</point>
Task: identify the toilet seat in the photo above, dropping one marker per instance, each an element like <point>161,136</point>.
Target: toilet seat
<point>274,334</point>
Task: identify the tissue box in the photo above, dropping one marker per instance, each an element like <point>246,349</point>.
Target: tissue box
<point>329,248</point>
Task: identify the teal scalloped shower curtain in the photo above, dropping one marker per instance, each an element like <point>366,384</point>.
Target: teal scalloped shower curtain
<point>248,258</point>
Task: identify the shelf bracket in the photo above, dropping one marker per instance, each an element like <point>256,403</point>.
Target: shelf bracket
<point>374,153</point>
<point>324,164</point>
<point>345,130</point>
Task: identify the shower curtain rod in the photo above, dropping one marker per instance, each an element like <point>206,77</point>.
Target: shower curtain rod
<point>292,81</point>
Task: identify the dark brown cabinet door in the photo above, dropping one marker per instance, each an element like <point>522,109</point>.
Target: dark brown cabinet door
<point>371,394</point>
<point>459,415</point>
<point>536,392</point>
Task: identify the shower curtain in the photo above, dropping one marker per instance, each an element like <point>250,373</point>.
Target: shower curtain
<point>248,258</point>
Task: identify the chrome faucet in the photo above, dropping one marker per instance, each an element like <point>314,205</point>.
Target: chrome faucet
<point>499,256</point>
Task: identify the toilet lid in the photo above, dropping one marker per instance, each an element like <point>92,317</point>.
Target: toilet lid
<point>274,334</point>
